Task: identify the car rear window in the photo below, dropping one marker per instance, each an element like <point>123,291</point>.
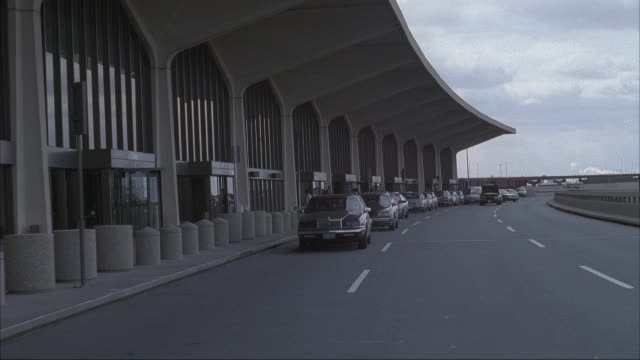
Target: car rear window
<point>326,204</point>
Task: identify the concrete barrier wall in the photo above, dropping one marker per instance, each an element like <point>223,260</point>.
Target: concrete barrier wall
<point>624,205</point>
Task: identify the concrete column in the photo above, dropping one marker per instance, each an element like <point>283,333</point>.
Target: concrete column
<point>438,165</point>
<point>400,152</point>
<point>31,202</point>
<point>421,179</point>
<point>164,143</point>
<point>325,159</point>
<point>2,286</point>
<point>454,163</point>
<point>286,221</point>
<point>290,183</point>
<point>237,116</point>
<point>355,162</point>
<point>379,161</point>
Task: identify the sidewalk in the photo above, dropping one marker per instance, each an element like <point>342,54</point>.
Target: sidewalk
<point>24,312</point>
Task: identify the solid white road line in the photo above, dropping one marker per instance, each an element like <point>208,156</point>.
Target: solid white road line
<point>500,221</point>
<point>359,280</point>
<point>416,223</point>
<point>536,243</point>
<point>404,231</point>
<point>386,247</point>
<point>510,229</point>
<point>619,283</point>
<point>427,218</point>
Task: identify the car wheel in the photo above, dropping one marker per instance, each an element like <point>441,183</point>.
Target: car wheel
<point>369,239</point>
<point>303,244</point>
<point>392,226</point>
<point>362,243</point>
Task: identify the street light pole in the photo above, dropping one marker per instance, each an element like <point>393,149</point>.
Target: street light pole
<point>468,177</point>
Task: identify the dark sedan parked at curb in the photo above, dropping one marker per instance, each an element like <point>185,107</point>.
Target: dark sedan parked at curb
<point>384,211</point>
<point>335,218</point>
<point>444,198</point>
<point>473,196</point>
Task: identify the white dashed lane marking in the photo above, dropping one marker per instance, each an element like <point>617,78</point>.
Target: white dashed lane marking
<point>536,243</point>
<point>386,247</point>
<point>404,231</point>
<point>359,280</point>
<point>606,277</point>
<point>510,229</point>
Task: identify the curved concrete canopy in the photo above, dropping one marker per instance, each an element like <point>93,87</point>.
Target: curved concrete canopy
<point>350,57</point>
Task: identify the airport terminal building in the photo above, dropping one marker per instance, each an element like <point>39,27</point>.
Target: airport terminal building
<point>200,108</point>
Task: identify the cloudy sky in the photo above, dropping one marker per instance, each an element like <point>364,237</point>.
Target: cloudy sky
<point>564,73</point>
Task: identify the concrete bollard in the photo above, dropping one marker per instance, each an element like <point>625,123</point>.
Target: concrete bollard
<point>294,221</point>
<point>67,254</point>
<point>268,229</point>
<point>260,220</point>
<point>115,247</point>
<point>171,243</point>
<point>286,221</point>
<point>277,223</point>
<point>206,234</point>
<point>30,262</point>
<point>234,221</point>
<point>189,238</point>
<point>248,226</point>
<point>221,232</point>
<point>147,246</point>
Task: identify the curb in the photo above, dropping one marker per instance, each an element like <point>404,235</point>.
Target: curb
<point>594,215</point>
<point>58,315</point>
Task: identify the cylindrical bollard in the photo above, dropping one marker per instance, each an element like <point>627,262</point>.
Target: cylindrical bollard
<point>234,221</point>
<point>189,238</point>
<point>147,246</point>
<point>268,229</point>
<point>171,243</point>
<point>29,261</point>
<point>294,221</point>
<point>67,254</point>
<point>222,232</point>
<point>277,222</point>
<point>248,225</point>
<point>286,221</point>
<point>206,234</point>
<point>114,247</point>
<point>260,220</point>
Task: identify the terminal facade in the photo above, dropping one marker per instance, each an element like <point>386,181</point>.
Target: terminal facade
<point>202,108</point>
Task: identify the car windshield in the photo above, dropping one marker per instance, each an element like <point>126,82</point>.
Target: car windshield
<point>439,193</point>
<point>376,201</point>
<point>413,196</point>
<point>318,204</point>
<point>475,190</point>
<point>446,193</point>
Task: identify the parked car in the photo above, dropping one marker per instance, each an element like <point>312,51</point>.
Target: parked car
<point>417,201</point>
<point>509,195</point>
<point>460,196</point>
<point>522,191</point>
<point>473,195</point>
<point>490,194</point>
<point>444,198</point>
<point>335,218</point>
<point>454,198</point>
<point>435,199</point>
<point>384,211</point>
<point>403,204</point>
<point>431,201</point>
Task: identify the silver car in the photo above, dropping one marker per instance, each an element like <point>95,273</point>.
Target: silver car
<point>417,202</point>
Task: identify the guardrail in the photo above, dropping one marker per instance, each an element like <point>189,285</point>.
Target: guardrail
<point>618,206</point>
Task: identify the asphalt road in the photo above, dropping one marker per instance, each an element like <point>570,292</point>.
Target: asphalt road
<point>459,284</point>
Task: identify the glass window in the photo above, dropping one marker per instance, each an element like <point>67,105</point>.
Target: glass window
<point>354,205</point>
<point>93,41</point>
